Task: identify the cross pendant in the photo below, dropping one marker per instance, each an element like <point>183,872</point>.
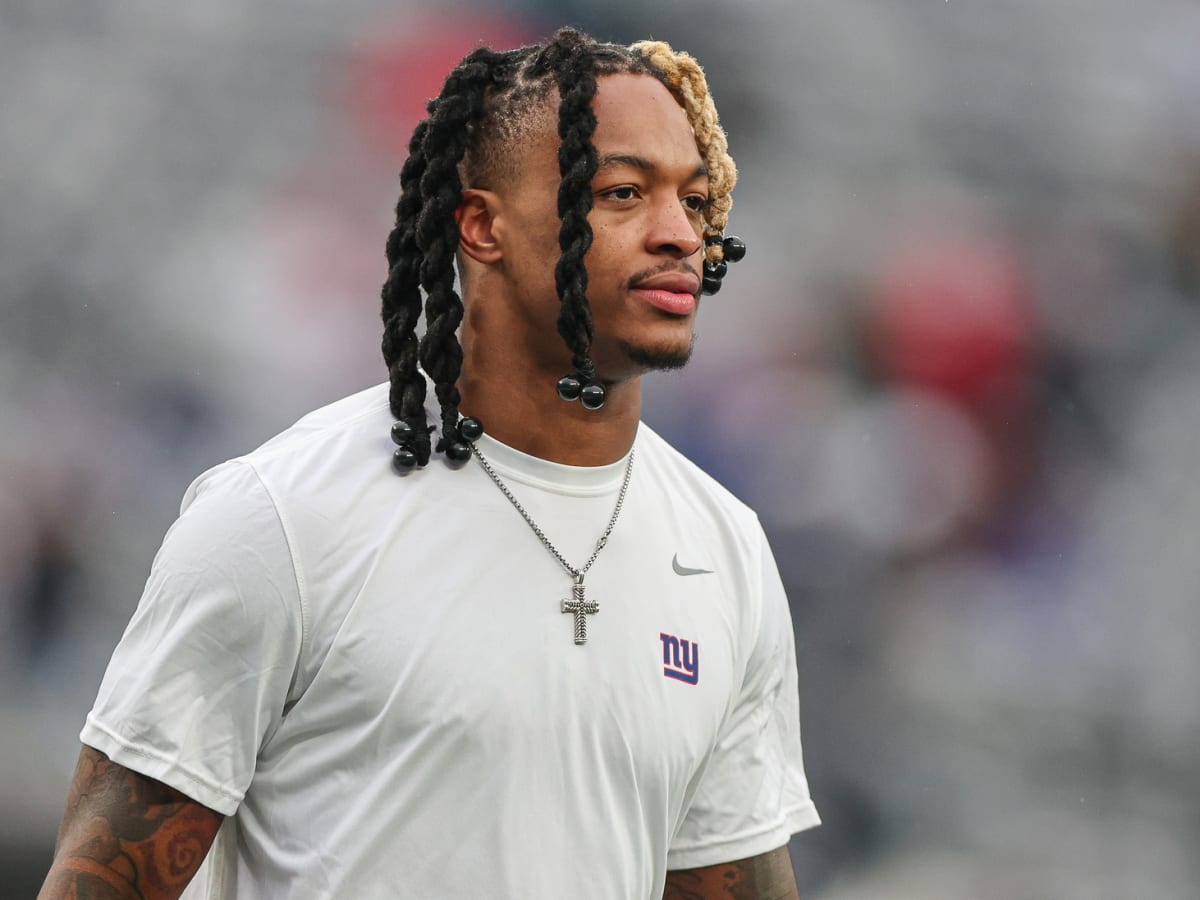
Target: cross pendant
<point>581,608</point>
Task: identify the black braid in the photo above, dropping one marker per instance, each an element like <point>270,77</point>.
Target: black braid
<point>572,60</point>
<point>402,300</point>
<point>459,106</point>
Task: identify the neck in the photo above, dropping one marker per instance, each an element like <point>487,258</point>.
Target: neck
<point>517,402</point>
<point>529,416</point>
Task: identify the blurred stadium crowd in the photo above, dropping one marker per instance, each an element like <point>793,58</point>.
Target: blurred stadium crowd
<point>959,377</point>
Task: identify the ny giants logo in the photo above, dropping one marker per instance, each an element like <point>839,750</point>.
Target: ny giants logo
<point>681,658</point>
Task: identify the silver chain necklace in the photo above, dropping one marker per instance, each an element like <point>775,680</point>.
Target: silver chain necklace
<point>578,605</point>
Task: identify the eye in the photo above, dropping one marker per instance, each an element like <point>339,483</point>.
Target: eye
<point>695,202</point>
<point>622,192</point>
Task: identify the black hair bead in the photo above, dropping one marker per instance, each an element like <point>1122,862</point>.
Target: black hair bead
<point>403,433</point>
<point>710,285</point>
<point>593,395</point>
<point>716,269</point>
<point>734,248</point>
<point>403,460</point>
<point>458,451</point>
<point>470,429</point>
<point>569,387</point>
<point>711,240</point>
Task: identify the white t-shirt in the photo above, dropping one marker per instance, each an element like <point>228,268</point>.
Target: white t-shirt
<point>373,679</point>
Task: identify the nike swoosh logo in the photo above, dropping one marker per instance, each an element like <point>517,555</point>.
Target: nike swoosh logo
<point>684,570</point>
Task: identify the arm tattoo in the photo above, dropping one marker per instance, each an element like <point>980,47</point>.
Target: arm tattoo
<point>767,876</point>
<point>126,837</point>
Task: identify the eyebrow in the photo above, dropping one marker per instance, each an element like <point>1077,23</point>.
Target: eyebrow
<point>617,160</point>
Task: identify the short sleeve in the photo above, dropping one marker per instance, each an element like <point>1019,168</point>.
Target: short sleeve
<point>753,795</point>
<point>201,676</point>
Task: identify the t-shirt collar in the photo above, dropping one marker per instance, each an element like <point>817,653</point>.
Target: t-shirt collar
<point>513,464</point>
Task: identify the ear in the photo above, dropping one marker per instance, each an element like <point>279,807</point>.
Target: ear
<point>475,217</point>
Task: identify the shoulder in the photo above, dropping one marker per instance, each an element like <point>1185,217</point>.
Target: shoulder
<point>306,512</point>
<point>712,530</point>
<point>310,482</point>
<point>323,460</point>
<point>683,482</point>
<point>329,442</point>
<point>705,525</point>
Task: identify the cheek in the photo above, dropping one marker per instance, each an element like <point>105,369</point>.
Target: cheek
<point>532,241</point>
<point>528,244</point>
<point>608,259</point>
<point>531,272</point>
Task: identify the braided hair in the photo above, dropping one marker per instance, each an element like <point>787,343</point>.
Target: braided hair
<point>487,104</point>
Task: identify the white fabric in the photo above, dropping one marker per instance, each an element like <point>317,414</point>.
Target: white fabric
<point>372,678</point>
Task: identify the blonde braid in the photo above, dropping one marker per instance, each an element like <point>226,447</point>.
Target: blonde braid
<point>685,80</point>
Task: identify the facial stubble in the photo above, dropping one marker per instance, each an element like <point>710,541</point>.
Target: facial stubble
<point>652,359</point>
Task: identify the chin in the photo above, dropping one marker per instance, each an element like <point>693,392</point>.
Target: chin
<point>658,357</point>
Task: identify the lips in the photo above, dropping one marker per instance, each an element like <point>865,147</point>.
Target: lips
<point>672,292</point>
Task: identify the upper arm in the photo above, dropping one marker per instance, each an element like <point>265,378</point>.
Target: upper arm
<point>768,876</point>
<point>126,836</point>
<point>203,673</point>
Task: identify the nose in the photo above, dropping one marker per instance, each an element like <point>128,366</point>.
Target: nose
<point>673,231</point>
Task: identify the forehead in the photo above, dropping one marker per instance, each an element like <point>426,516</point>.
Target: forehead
<point>636,114</point>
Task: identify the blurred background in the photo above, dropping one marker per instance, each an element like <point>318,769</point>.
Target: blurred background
<point>958,375</point>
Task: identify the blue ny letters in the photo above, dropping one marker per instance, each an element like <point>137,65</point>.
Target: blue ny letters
<point>681,658</point>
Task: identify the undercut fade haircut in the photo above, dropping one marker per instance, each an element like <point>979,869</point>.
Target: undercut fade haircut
<point>472,137</point>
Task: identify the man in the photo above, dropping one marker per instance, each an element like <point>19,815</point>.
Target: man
<point>344,683</point>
